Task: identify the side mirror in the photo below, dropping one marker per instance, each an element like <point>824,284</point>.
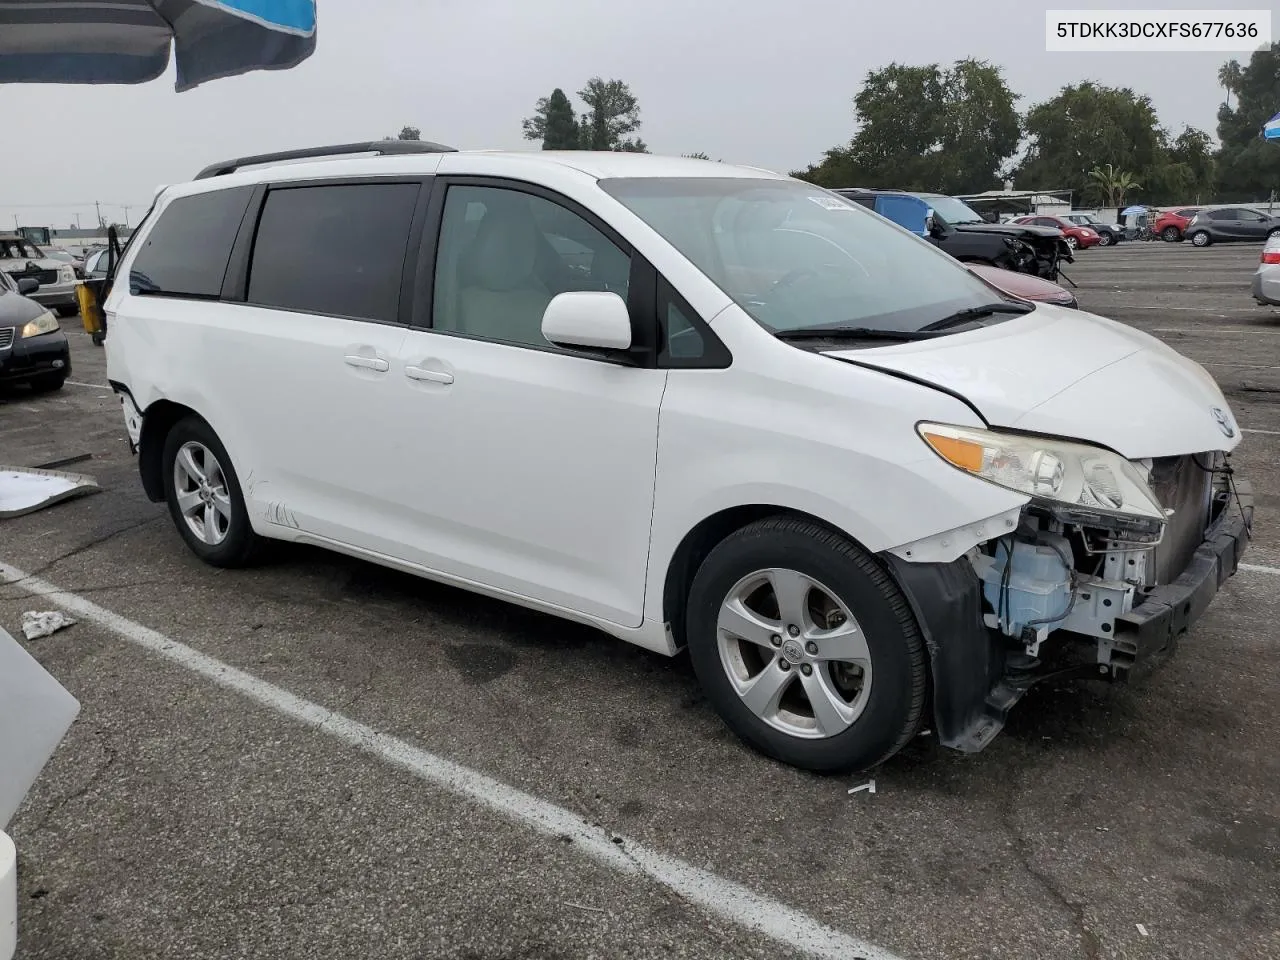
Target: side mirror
<point>28,285</point>
<point>588,320</point>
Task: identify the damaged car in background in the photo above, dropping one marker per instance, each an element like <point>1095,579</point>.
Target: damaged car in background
<point>956,228</point>
<point>868,491</point>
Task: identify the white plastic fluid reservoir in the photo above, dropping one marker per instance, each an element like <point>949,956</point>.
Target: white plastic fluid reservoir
<point>1038,586</point>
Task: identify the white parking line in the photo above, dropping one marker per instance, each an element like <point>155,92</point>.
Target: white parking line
<point>1269,433</point>
<point>713,893</point>
<point>93,386</point>
<point>1259,568</point>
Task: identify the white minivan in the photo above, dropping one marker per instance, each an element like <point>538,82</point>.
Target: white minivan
<point>694,405</point>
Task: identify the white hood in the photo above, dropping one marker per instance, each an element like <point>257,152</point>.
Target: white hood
<point>1074,375</point>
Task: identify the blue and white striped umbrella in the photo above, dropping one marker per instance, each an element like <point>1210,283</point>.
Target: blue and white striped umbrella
<point>1271,129</point>
<point>127,41</point>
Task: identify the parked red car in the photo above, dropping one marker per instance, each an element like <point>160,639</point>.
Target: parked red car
<point>1024,285</point>
<point>1172,224</point>
<point>1077,237</point>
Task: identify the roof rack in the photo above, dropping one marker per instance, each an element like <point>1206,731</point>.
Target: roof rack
<point>380,147</point>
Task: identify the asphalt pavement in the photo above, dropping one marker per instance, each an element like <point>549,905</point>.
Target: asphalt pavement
<point>320,758</point>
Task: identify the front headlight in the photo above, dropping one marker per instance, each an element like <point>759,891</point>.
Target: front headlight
<point>67,274</point>
<point>45,323</point>
<point>1089,481</point>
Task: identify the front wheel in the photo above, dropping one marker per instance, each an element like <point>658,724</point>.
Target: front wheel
<point>204,496</point>
<point>806,647</point>
<point>1199,239</point>
<point>1105,239</point>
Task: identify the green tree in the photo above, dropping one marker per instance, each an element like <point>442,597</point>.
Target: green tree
<point>926,127</point>
<point>409,133</point>
<point>696,156</point>
<point>612,115</point>
<point>1185,172</point>
<point>554,123</point>
<point>1249,167</point>
<point>1087,126</point>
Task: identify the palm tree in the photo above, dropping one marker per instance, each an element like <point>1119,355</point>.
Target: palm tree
<point>1113,183</point>
<point>1229,79</point>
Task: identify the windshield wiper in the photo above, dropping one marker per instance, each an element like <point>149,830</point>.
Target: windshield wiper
<point>850,333</point>
<point>975,313</point>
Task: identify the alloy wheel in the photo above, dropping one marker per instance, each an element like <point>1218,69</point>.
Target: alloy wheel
<point>794,653</point>
<point>200,487</point>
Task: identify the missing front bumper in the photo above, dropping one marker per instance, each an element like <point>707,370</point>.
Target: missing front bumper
<point>978,676</point>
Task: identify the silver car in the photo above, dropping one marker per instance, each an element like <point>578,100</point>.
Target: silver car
<point>1266,279</point>
<point>20,258</point>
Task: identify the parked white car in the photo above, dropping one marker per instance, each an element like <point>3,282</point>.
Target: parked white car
<point>690,404</point>
<point>1266,279</point>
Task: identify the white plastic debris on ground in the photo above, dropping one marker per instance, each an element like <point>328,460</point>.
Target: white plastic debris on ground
<point>35,714</point>
<point>25,490</point>
<point>41,624</point>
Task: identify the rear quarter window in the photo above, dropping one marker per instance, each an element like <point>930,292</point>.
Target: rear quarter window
<point>333,249</point>
<point>186,252</point>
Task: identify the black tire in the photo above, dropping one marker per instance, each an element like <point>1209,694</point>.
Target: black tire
<point>894,707</point>
<point>241,546</point>
<point>1106,239</point>
<point>1200,238</point>
<point>1273,234</point>
<point>48,382</point>
<point>1073,243</point>
<point>1170,234</point>
<point>67,312</point>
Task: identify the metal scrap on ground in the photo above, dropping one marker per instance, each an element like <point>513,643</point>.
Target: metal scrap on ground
<point>26,489</point>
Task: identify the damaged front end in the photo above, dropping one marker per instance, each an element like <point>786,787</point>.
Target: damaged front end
<point>1040,256</point>
<point>1098,575</point>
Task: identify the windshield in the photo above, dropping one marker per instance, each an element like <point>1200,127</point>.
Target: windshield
<point>795,256</point>
<point>952,210</point>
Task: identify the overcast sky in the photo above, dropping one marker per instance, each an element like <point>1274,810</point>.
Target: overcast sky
<point>750,81</point>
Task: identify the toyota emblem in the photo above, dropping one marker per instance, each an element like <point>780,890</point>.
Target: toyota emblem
<point>1224,421</point>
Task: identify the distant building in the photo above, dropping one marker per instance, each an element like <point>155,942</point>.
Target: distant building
<point>1001,204</point>
<point>77,239</point>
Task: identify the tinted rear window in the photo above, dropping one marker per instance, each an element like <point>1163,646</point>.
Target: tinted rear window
<point>186,254</point>
<point>336,249</point>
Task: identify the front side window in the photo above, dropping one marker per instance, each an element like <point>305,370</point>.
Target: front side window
<point>1251,215</point>
<point>794,256</point>
<point>504,254</point>
<point>186,253</point>
<point>334,249</point>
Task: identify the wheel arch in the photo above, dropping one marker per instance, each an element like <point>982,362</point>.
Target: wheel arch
<point>158,419</point>
<point>703,538</point>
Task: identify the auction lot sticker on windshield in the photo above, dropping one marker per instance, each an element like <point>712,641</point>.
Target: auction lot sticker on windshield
<point>1156,31</point>
<point>831,203</point>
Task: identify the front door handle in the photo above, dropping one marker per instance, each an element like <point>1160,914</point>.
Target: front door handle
<point>367,363</point>
<point>434,376</point>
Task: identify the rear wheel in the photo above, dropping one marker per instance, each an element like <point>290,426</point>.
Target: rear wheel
<point>204,496</point>
<point>805,647</point>
<point>1073,243</point>
<point>1200,238</point>
<point>1170,235</point>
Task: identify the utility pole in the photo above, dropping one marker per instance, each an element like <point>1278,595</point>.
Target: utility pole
<point>126,216</point>
<point>77,221</point>
<point>15,221</point>
<point>98,209</point>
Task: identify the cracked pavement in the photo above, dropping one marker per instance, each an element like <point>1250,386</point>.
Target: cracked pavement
<point>178,819</point>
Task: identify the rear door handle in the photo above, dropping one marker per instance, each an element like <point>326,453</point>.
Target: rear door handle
<point>434,376</point>
<point>367,363</point>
